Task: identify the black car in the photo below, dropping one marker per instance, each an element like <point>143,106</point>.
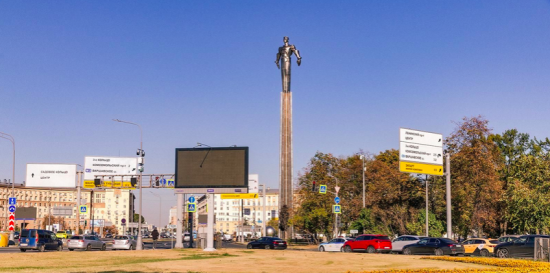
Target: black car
<point>524,246</point>
<point>267,243</point>
<point>508,238</point>
<point>436,246</point>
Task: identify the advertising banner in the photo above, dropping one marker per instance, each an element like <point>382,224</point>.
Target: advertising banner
<point>112,167</point>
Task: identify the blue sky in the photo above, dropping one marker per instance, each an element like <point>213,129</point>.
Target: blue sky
<point>203,71</point>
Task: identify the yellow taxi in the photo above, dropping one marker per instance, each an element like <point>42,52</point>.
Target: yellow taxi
<point>479,246</point>
<point>62,234</point>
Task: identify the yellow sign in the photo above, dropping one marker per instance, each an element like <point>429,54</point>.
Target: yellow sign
<point>108,184</point>
<point>117,184</point>
<point>127,185</point>
<point>239,196</point>
<point>89,184</point>
<point>420,168</point>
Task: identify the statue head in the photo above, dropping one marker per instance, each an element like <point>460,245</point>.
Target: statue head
<point>285,39</point>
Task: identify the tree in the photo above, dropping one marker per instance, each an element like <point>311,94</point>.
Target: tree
<point>136,218</point>
<point>476,187</point>
<point>110,229</point>
<point>418,226</point>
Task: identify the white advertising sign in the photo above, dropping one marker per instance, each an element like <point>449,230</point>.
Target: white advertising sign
<point>253,184</point>
<point>420,137</point>
<point>51,175</point>
<point>420,153</point>
<point>101,165</point>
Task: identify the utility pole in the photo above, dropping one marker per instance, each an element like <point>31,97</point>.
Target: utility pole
<point>449,216</point>
<point>12,140</point>
<point>78,175</point>
<point>92,209</point>
<point>364,169</point>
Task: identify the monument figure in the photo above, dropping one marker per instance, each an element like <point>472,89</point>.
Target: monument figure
<point>283,57</point>
<point>285,165</point>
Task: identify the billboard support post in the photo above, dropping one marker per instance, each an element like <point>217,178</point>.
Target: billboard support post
<point>427,213</point>
<point>179,212</point>
<point>449,216</point>
<point>12,140</point>
<point>264,233</point>
<point>78,175</point>
<point>210,226</point>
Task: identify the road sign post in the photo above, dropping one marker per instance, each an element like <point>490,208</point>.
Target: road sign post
<point>421,153</point>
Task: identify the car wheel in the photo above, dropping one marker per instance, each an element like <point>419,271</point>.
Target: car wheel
<point>267,247</point>
<point>347,249</point>
<point>371,249</point>
<point>60,248</point>
<point>249,246</point>
<point>41,248</point>
<point>322,249</point>
<point>503,253</point>
<point>103,247</point>
<point>70,249</point>
<point>438,252</point>
<point>23,250</point>
<point>88,247</point>
<point>407,251</point>
<point>484,253</point>
<point>342,249</point>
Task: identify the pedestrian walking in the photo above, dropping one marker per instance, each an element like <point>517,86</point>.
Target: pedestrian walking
<point>155,235</point>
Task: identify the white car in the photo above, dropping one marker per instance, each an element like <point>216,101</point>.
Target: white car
<point>403,240</point>
<point>334,245</point>
<point>125,242</point>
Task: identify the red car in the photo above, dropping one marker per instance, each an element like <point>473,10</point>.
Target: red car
<point>370,243</point>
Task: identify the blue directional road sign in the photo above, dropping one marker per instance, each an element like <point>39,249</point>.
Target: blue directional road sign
<point>191,207</point>
<point>192,199</point>
<point>162,181</point>
<point>12,208</point>
<point>12,201</point>
<point>323,189</point>
<point>170,183</point>
<point>337,200</point>
<point>336,209</point>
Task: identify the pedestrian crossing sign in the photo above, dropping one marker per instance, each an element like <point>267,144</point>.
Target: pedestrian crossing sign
<point>191,207</point>
<point>83,209</point>
<point>336,209</point>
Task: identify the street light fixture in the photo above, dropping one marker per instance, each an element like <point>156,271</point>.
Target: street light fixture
<point>12,140</point>
<point>140,153</point>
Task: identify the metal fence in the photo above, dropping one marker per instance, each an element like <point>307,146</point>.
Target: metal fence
<point>542,248</point>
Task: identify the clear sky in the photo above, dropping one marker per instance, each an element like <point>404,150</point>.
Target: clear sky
<point>204,71</point>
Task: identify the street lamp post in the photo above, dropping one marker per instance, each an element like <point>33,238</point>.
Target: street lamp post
<point>12,140</point>
<point>364,169</point>
<point>142,154</point>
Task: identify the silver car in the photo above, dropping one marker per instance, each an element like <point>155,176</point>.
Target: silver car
<point>125,242</point>
<point>403,240</point>
<point>86,242</point>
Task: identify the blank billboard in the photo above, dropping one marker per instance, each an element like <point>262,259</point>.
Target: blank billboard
<point>51,175</point>
<point>212,170</point>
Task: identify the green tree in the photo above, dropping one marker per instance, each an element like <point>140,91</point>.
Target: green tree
<point>136,218</point>
<point>418,226</point>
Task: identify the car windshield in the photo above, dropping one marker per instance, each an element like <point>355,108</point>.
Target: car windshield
<point>121,238</point>
<point>382,237</point>
<point>61,232</point>
<point>76,237</point>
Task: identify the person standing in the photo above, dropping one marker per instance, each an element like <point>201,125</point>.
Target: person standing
<point>155,235</point>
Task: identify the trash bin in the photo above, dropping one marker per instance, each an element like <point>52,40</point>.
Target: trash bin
<point>4,239</point>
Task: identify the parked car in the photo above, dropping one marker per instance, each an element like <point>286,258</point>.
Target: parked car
<point>16,235</point>
<point>186,237</point>
<point>125,242</point>
<point>61,234</point>
<point>227,237</point>
<point>479,247</point>
<point>508,238</point>
<point>436,246</point>
<point>109,235</point>
<point>398,243</point>
<point>370,243</point>
<point>39,239</point>
<point>523,246</point>
<point>87,242</point>
<point>267,243</point>
<point>336,244</point>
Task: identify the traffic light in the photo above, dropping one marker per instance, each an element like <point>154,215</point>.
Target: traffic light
<point>157,181</point>
<point>133,181</point>
<point>313,187</point>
